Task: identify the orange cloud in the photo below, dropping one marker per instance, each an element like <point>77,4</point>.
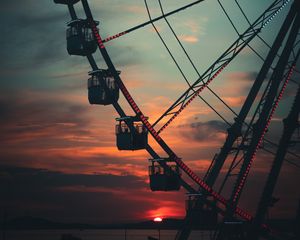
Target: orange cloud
<point>235,101</point>
<point>133,9</point>
<point>165,212</point>
<point>188,38</point>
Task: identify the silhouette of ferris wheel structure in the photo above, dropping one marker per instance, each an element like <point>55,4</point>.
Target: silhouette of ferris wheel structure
<point>244,138</point>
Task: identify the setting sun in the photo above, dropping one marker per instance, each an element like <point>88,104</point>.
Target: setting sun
<point>157,219</point>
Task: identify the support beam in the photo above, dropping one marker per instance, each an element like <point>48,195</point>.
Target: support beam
<point>235,130</point>
<point>263,121</point>
<point>290,124</point>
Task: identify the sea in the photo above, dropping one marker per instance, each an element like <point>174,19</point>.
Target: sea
<point>99,234</point>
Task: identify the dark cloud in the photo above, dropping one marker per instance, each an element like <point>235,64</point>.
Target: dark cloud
<point>242,76</point>
<point>42,178</point>
<point>40,110</point>
<point>31,36</point>
<point>68,197</point>
<point>204,131</point>
<point>36,39</point>
<point>8,5</point>
<point>36,119</point>
<point>40,130</point>
<point>251,76</point>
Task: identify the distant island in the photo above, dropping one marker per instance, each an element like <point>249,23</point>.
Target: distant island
<point>34,223</point>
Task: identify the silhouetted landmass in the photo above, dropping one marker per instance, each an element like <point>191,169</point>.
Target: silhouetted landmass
<point>32,223</point>
<point>24,223</point>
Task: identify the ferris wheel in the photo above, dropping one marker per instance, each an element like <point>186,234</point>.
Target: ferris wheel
<point>244,138</point>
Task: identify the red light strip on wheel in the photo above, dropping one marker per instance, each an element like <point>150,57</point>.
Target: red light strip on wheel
<point>213,193</point>
<point>196,93</point>
<point>161,142</point>
<point>243,180</point>
<point>114,37</point>
<point>97,35</point>
<point>126,93</point>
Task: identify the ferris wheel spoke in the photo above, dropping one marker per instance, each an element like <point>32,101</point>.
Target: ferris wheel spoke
<point>216,68</point>
<point>194,91</point>
<point>151,21</point>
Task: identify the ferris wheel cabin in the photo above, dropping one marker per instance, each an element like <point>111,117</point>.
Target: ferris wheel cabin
<point>102,87</point>
<point>133,136</point>
<point>162,179</point>
<point>80,38</point>
<point>66,2</point>
<point>202,215</point>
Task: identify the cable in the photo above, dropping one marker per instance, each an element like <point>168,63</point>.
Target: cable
<point>265,42</point>
<point>196,70</point>
<point>149,22</point>
<point>288,161</point>
<point>164,43</point>
<point>189,58</point>
<point>234,27</point>
<point>220,64</point>
<point>252,49</point>
<point>173,58</point>
<point>289,152</point>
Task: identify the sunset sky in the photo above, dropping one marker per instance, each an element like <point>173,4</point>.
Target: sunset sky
<point>58,157</point>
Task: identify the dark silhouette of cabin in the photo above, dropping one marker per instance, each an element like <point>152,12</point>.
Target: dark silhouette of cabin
<point>131,134</point>
<point>80,38</point>
<point>102,88</point>
<point>162,179</point>
<point>200,214</point>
